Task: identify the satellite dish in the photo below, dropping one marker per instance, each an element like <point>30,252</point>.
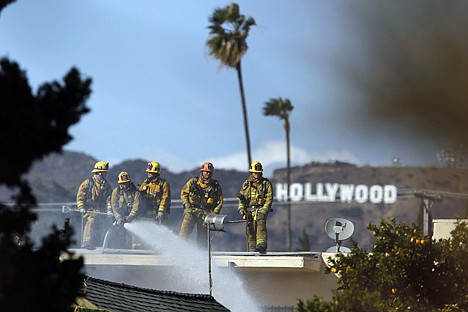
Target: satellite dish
<point>340,249</point>
<point>339,229</point>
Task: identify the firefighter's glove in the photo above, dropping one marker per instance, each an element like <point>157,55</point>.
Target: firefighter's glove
<point>121,221</point>
<point>187,208</point>
<point>82,210</point>
<point>159,217</point>
<point>242,212</point>
<point>129,219</point>
<point>201,214</point>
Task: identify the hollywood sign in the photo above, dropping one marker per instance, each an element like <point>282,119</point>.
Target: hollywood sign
<point>333,192</point>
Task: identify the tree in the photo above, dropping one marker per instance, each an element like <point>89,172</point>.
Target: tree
<point>228,43</point>
<point>34,125</point>
<point>404,271</point>
<point>281,108</point>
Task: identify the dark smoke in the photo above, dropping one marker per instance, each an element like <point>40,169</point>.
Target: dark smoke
<point>412,67</point>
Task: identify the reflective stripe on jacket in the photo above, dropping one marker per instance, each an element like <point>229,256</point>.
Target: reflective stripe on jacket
<point>94,195</point>
<point>125,202</point>
<point>258,194</point>
<point>207,196</point>
<point>156,194</point>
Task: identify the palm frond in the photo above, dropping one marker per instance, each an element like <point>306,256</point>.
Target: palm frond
<point>229,30</point>
<point>278,107</point>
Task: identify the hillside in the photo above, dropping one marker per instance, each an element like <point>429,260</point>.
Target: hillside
<point>312,216</point>
<point>57,177</point>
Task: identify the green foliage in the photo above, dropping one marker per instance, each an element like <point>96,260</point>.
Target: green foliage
<point>404,270</point>
<point>316,304</point>
<point>229,31</point>
<point>36,279</point>
<point>32,127</point>
<point>278,107</point>
<point>40,122</point>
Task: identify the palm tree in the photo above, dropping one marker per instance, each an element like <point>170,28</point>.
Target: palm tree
<point>281,108</point>
<point>229,30</point>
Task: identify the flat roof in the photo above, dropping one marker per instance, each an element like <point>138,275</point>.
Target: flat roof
<point>304,261</point>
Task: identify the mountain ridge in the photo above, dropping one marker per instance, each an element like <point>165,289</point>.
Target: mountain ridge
<point>56,179</point>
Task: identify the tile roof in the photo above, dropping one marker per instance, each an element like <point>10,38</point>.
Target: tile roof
<point>121,297</point>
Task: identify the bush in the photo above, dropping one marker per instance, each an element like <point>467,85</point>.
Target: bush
<point>404,271</point>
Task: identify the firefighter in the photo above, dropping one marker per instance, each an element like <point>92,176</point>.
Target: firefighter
<point>200,196</point>
<point>255,199</point>
<point>125,202</point>
<point>93,201</point>
<point>156,195</point>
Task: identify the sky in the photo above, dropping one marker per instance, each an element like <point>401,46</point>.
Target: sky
<point>159,96</point>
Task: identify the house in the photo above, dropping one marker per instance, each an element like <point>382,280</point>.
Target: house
<point>276,279</point>
<point>111,296</point>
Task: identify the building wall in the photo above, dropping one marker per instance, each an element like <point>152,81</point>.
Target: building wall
<point>283,288</point>
<point>443,227</point>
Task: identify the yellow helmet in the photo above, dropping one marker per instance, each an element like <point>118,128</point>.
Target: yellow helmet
<point>153,167</point>
<point>256,166</point>
<point>123,177</point>
<point>101,166</point>
<point>207,167</point>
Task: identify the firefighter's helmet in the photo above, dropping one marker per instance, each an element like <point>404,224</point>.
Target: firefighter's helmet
<point>153,167</point>
<point>207,167</point>
<point>123,177</point>
<point>101,166</point>
<point>256,166</point>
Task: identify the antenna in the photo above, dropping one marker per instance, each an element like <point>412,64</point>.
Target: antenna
<point>339,229</point>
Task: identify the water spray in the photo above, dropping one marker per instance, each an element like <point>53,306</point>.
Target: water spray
<point>214,222</point>
<point>186,269</point>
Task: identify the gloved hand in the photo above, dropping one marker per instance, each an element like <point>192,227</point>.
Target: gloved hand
<point>82,210</point>
<point>242,212</point>
<point>188,208</point>
<point>120,221</point>
<point>128,219</point>
<point>159,217</point>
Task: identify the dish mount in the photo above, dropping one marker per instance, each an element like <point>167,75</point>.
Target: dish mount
<point>339,229</point>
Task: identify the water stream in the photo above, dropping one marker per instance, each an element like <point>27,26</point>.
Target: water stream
<point>188,269</point>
